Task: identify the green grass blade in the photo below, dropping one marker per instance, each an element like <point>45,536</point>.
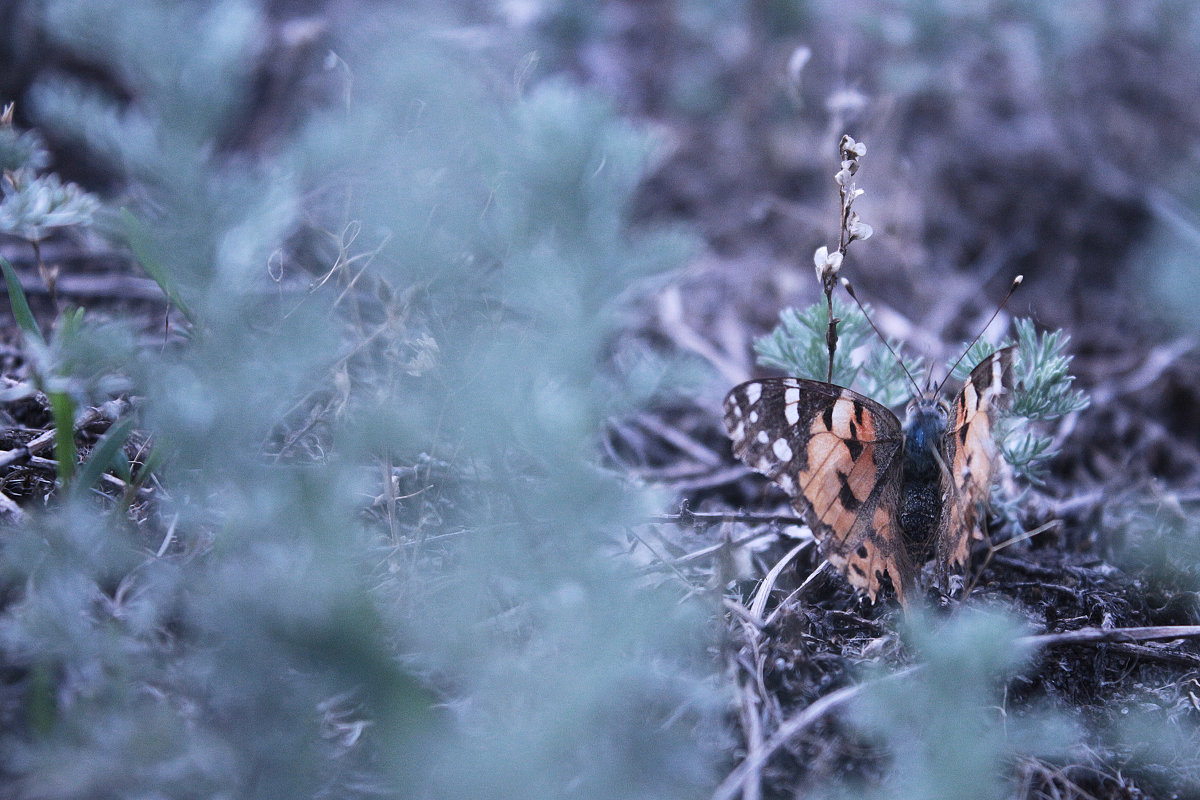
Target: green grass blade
<point>20,304</point>
<point>103,455</point>
<point>42,710</point>
<point>63,408</point>
<point>139,242</point>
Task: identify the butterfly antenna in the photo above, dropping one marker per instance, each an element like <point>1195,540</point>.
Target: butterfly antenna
<point>1016,282</point>
<point>900,361</point>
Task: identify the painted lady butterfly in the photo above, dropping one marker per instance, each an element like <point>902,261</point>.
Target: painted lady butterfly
<point>881,498</point>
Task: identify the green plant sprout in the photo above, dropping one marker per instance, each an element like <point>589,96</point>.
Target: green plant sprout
<point>1043,392</point>
<point>798,346</point>
<point>56,368</point>
<point>20,149</point>
<point>1042,383</point>
<point>34,205</point>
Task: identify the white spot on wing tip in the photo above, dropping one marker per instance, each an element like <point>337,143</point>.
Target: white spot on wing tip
<point>753,392</point>
<point>791,407</point>
<point>753,417</point>
<point>782,450</point>
<point>762,437</point>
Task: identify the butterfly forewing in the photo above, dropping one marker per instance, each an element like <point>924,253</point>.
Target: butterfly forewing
<point>837,454</point>
<point>969,451</point>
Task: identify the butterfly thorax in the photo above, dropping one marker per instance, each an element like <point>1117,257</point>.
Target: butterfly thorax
<point>921,497</point>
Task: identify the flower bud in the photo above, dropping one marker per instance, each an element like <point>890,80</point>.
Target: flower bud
<point>827,264</point>
<point>859,230</point>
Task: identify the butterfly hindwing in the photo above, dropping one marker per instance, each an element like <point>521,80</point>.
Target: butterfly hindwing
<point>837,455</point>
<point>969,452</point>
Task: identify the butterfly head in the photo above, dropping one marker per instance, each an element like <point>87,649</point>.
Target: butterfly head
<point>927,406</point>
<point>925,422</point>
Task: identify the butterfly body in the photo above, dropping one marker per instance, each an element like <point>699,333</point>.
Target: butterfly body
<point>881,497</point>
<point>921,482</point>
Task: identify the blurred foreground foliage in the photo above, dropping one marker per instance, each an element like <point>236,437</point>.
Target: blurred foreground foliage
<point>426,271</point>
<point>946,723</point>
<point>382,560</point>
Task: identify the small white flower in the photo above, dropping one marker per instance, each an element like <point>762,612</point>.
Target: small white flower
<point>843,177</point>
<point>859,230</point>
<point>827,263</point>
<point>852,149</point>
<point>820,256</point>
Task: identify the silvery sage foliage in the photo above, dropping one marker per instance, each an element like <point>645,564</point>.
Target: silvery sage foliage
<point>281,634</point>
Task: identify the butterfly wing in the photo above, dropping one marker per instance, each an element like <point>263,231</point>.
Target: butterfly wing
<point>838,456</point>
<point>969,451</point>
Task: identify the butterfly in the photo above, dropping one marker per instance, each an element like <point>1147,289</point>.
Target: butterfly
<point>881,497</point>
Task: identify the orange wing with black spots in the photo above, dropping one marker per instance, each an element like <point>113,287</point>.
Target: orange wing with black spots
<point>838,456</point>
<point>969,451</point>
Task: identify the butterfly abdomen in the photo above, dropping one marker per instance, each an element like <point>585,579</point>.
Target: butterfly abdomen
<point>920,513</point>
<point>921,496</point>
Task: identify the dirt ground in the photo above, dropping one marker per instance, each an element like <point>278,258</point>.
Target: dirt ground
<point>989,155</point>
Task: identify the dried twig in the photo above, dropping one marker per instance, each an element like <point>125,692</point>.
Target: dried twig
<point>709,480</point>
<point>9,510</point>
<point>671,318</point>
<point>759,604</point>
<point>679,440</point>
<point>43,441</point>
<point>51,465</point>
<point>1152,367</point>
<point>1145,652</point>
<point>750,702</point>
<point>705,552</point>
<point>17,455</point>
<point>692,518</point>
<point>1102,635</point>
<point>755,760</point>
